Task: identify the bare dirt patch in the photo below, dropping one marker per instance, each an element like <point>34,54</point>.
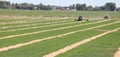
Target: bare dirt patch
<point>117,54</point>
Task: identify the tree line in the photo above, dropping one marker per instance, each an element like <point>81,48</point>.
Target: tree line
<point>80,7</point>
<point>8,5</point>
<point>107,7</point>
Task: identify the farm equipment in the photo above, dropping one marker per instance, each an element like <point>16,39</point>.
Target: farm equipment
<point>106,17</point>
<point>80,18</point>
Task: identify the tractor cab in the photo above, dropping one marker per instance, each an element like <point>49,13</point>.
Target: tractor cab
<point>80,18</point>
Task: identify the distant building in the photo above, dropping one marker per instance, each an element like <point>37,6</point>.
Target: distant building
<point>35,7</point>
<point>63,8</point>
<point>54,8</point>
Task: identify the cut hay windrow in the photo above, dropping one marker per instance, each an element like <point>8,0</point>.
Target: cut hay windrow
<point>11,30</point>
<point>19,22</point>
<point>52,37</point>
<point>117,54</point>
<point>26,38</point>
<point>27,22</point>
<point>7,37</point>
<point>16,17</point>
<point>74,45</point>
<point>25,25</point>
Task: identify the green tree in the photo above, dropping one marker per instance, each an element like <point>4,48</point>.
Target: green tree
<point>97,8</point>
<point>5,4</point>
<point>110,6</point>
<point>84,8</point>
<point>89,8</point>
<point>78,6</point>
<point>118,9</point>
<point>102,8</point>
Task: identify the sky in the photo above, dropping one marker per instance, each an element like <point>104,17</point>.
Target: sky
<point>67,2</point>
